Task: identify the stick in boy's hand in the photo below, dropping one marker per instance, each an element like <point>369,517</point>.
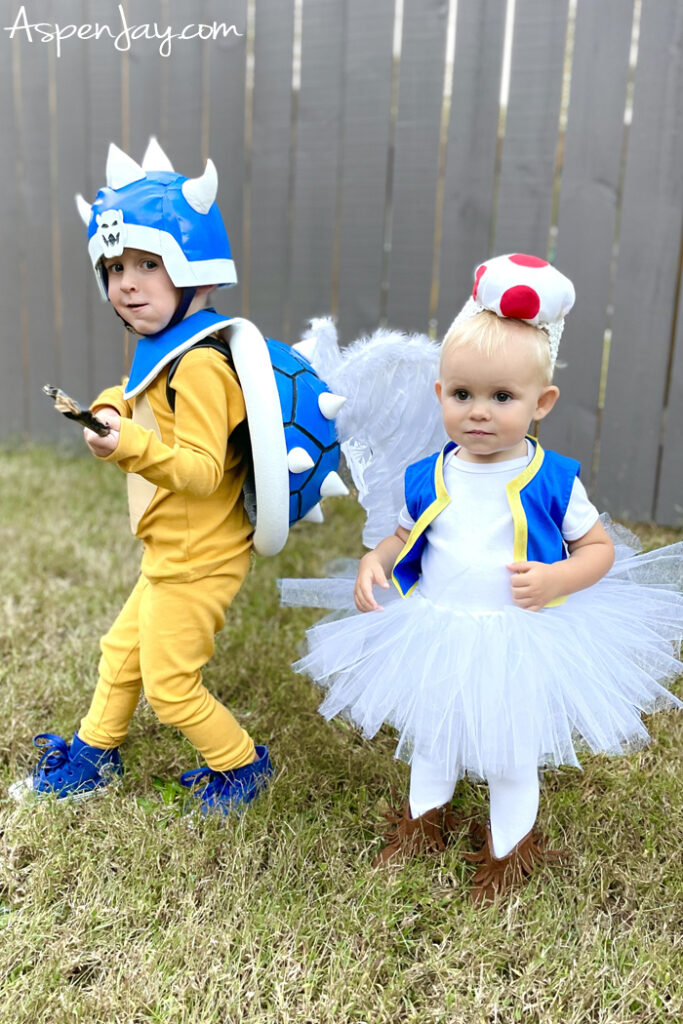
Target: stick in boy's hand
<point>71,409</point>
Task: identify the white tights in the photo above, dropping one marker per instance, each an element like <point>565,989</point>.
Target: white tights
<point>513,799</point>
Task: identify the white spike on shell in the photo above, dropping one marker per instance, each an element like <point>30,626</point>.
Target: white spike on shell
<point>306,348</point>
<point>333,487</point>
<point>330,404</point>
<point>201,192</point>
<point>84,209</point>
<point>155,159</point>
<point>314,515</point>
<point>298,460</point>
<point>122,170</point>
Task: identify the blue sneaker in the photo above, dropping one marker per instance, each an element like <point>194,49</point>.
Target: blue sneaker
<point>223,792</point>
<point>73,770</point>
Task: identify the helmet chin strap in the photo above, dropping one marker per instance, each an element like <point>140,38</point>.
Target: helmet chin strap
<point>182,308</point>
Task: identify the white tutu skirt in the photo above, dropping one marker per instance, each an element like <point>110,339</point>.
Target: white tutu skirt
<point>479,693</point>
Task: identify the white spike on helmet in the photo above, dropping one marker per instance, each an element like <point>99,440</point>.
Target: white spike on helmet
<point>155,159</point>
<point>151,207</point>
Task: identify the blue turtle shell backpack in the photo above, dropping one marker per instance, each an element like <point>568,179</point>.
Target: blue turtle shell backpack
<point>294,446</point>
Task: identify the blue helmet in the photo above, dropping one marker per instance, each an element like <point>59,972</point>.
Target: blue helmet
<point>151,207</point>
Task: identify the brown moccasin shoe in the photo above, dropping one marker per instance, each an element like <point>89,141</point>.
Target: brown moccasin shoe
<point>409,837</point>
<point>497,875</point>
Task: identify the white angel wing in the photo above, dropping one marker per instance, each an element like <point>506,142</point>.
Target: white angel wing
<point>391,416</point>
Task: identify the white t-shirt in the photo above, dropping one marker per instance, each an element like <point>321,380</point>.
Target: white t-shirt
<point>471,541</point>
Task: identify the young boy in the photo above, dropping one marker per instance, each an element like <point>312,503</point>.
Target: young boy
<point>158,246</point>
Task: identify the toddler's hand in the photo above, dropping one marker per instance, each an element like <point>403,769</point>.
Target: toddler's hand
<point>370,572</point>
<point>103,446</point>
<point>533,584</point>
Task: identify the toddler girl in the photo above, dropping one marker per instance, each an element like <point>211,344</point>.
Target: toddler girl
<point>518,643</point>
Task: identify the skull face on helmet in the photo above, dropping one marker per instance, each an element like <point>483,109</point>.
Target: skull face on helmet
<point>110,227</point>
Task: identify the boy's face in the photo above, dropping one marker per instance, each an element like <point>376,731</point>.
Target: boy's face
<point>488,402</point>
<point>141,291</point>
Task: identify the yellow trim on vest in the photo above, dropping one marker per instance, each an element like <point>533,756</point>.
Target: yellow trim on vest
<point>428,516</point>
<point>514,496</point>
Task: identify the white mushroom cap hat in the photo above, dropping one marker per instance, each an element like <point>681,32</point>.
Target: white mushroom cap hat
<point>522,287</point>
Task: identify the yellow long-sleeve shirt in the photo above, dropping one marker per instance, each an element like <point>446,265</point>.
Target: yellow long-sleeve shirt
<point>194,521</point>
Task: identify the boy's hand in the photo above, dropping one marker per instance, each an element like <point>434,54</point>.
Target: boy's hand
<point>103,446</point>
<point>533,584</point>
<point>370,571</point>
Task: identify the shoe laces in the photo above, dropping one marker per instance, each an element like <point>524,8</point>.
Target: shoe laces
<point>55,751</point>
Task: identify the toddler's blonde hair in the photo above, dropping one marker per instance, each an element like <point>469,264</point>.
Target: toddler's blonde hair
<point>489,333</point>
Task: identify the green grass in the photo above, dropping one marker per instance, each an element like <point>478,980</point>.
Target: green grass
<point>119,910</point>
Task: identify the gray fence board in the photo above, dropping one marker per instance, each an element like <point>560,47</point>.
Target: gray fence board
<point>317,159</point>
<point>270,161</point>
<point>416,162</point>
<point>76,278</point>
<point>525,190</point>
<point>186,97</point>
<point>647,275</point>
<point>145,83</point>
<point>36,226</point>
<point>669,507</point>
<point>103,117</point>
<point>227,77</point>
<point>471,152</point>
<point>367,102</point>
<point>12,252</point>
<point>587,215</point>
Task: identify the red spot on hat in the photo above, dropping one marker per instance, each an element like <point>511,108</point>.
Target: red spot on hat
<point>477,278</point>
<point>520,302</point>
<point>522,260</point>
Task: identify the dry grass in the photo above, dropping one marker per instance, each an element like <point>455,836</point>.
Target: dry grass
<point>120,911</point>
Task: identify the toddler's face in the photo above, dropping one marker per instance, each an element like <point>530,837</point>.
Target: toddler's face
<point>488,402</point>
<point>141,291</point>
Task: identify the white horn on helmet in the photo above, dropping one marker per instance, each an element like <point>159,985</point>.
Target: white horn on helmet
<point>201,192</point>
<point>84,209</point>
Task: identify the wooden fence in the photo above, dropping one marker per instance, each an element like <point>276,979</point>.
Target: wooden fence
<point>370,153</point>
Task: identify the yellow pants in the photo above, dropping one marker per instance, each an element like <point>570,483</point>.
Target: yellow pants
<point>162,638</point>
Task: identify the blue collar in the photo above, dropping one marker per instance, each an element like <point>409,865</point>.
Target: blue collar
<point>155,352</point>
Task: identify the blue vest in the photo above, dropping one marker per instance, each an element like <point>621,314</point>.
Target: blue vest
<point>538,500</point>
